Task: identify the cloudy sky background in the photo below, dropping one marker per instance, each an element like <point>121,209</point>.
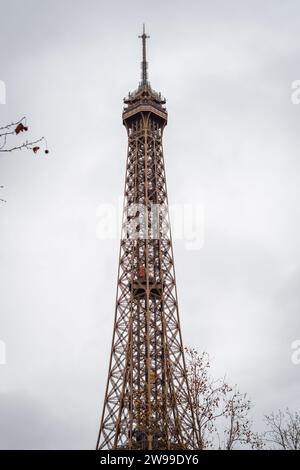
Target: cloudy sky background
<point>232,145</point>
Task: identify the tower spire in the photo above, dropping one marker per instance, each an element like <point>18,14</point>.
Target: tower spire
<point>144,63</point>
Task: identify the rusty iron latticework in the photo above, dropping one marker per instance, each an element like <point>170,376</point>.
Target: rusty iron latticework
<point>146,403</point>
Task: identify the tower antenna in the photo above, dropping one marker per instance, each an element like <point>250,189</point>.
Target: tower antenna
<point>144,64</point>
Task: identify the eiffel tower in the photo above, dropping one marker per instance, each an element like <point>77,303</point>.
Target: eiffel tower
<point>147,403</point>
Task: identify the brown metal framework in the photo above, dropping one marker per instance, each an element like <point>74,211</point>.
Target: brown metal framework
<point>146,403</point>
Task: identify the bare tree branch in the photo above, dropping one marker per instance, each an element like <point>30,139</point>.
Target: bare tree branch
<point>220,411</point>
<point>283,430</point>
<point>28,145</point>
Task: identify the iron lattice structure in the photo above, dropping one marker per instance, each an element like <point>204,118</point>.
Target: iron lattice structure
<point>146,403</point>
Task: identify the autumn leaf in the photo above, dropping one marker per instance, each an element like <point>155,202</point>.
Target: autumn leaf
<point>20,128</point>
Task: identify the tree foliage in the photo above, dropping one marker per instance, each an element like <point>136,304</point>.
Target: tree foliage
<point>221,412</point>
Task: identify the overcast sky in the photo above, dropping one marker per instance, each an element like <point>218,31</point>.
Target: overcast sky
<point>231,144</point>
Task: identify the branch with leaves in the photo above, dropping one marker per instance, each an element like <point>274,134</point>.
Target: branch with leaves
<point>16,129</point>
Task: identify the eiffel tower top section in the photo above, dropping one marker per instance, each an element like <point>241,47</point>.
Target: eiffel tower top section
<point>144,98</point>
